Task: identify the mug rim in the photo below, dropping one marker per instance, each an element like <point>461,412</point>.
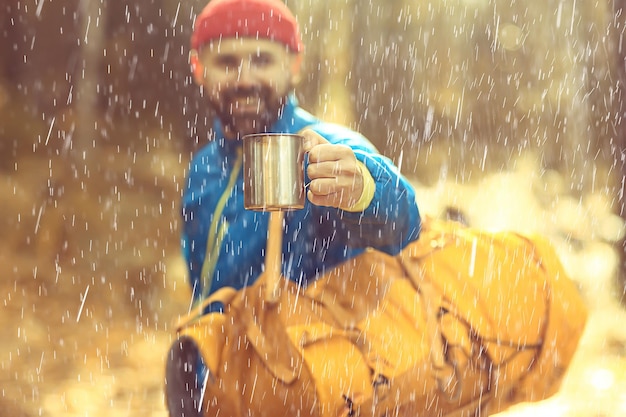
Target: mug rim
<point>255,135</point>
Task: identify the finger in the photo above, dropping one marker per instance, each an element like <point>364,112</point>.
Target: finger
<point>323,186</point>
<point>329,186</point>
<point>330,200</point>
<point>334,192</point>
<point>329,152</point>
<point>324,153</point>
<point>331,169</point>
<point>311,139</point>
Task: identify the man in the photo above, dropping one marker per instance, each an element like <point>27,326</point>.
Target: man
<point>450,324</point>
<point>246,55</point>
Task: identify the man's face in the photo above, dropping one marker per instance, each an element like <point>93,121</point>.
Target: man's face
<point>246,81</point>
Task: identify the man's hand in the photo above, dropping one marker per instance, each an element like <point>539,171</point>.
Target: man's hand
<point>336,177</point>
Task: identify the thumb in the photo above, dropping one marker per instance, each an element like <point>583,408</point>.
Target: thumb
<point>311,139</point>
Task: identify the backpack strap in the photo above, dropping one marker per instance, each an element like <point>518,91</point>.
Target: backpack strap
<point>224,295</point>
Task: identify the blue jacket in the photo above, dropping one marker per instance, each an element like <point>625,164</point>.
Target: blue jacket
<point>230,245</point>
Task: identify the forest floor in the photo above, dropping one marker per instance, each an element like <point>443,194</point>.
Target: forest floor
<point>91,281</point>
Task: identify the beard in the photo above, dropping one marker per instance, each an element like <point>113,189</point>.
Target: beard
<point>245,111</point>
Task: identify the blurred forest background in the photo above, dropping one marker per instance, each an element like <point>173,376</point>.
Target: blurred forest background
<point>99,118</point>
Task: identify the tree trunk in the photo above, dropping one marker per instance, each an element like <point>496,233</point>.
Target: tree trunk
<point>91,40</point>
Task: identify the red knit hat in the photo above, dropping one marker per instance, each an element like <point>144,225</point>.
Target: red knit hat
<point>265,19</point>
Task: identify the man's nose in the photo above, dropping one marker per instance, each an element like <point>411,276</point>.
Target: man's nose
<point>245,74</point>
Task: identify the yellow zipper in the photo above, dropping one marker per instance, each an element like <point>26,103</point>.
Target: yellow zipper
<point>217,231</point>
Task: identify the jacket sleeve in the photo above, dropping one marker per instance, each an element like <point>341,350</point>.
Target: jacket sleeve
<point>392,219</point>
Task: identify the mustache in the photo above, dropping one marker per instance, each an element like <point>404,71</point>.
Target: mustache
<point>244,92</point>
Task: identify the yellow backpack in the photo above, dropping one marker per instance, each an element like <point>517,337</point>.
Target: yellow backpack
<point>460,322</point>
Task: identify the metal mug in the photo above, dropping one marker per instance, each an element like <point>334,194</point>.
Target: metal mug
<point>273,171</point>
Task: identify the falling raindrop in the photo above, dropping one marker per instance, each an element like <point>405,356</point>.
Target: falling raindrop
<point>508,114</point>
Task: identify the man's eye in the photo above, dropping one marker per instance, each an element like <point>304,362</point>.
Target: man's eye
<point>227,63</point>
<point>261,60</point>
